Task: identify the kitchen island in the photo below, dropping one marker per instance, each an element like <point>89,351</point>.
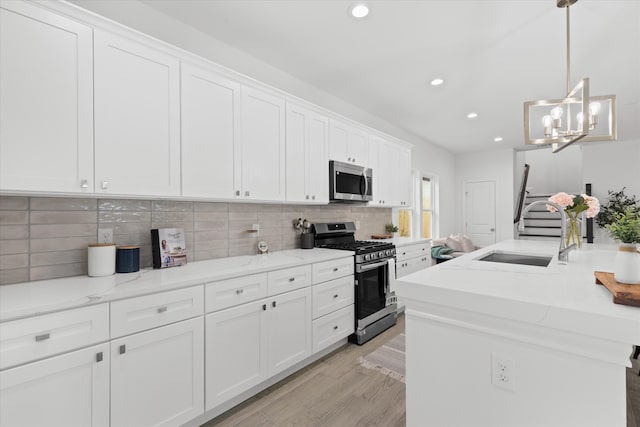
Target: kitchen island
<point>495,344</point>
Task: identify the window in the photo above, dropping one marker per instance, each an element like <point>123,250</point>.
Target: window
<point>427,206</point>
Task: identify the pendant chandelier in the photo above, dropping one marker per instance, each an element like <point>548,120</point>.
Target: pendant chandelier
<point>576,117</point>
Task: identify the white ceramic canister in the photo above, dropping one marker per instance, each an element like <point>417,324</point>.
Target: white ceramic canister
<point>102,259</point>
<point>626,268</point>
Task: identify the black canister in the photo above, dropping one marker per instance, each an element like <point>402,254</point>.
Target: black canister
<point>127,259</point>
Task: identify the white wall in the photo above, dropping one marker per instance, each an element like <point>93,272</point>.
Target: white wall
<point>554,172</point>
<point>498,166</point>
<point>611,166</point>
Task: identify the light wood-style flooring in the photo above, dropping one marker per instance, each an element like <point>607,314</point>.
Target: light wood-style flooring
<point>335,391</point>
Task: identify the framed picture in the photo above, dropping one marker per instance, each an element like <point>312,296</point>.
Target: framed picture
<point>168,247</point>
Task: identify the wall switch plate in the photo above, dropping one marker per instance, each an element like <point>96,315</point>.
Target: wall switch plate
<point>255,227</point>
<point>503,372</point>
<point>105,235</point>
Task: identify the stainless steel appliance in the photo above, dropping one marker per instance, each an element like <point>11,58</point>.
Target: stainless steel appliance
<point>349,183</point>
<point>375,303</point>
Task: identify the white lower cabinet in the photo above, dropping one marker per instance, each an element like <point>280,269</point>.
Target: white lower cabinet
<point>249,343</point>
<point>67,390</point>
<point>413,257</point>
<point>157,376</point>
<point>333,327</point>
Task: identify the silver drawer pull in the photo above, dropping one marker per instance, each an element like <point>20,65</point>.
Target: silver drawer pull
<point>291,279</point>
<point>162,309</point>
<point>42,337</point>
<point>239,291</point>
<point>122,349</point>
<point>99,357</point>
<point>335,269</point>
<point>335,296</point>
<point>335,328</point>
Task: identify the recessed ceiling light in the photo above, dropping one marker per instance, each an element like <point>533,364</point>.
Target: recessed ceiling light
<point>359,10</point>
<point>498,139</point>
<point>472,115</point>
<point>437,82</point>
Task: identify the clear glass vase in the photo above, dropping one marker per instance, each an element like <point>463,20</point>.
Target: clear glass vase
<point>574,230</point>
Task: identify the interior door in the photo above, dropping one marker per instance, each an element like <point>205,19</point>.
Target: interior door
<point>480,211</point>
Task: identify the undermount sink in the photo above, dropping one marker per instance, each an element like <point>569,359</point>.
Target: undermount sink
<point>517,258</point>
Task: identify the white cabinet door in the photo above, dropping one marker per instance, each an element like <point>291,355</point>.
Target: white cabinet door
<point>211,157</point>
<point>318,159</point>
<point>307,176</point>
<point>263,146</point>
<point>289,321</point>
<point>348,144</point>
<point>403,178</point>
<point>46,101</point>
<point>137,119</point>
<point>157,376</point>
<point>65,391</point>
<point>236,351</point>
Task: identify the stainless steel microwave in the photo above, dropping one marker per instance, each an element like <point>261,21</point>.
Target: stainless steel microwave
<point>349,183</point>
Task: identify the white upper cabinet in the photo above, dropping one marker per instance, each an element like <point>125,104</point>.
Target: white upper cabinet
<point>211,157</point>
<point>137,118</point>
<point>46,101</point>
<point>263,146</point>
<point>348,144</point>
<point>391,165</point>
<point>403,177</point>
<point>307,163</point>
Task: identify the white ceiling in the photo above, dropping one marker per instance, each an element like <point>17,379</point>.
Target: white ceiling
<point>493,55</point>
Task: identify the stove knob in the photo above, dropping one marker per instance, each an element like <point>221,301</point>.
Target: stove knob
<point>367,257</point>
<point>373,255</point>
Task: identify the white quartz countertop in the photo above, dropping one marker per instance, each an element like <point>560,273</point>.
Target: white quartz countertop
<point>32,298</point>
<point>557,296</point>
<point>403,241</point>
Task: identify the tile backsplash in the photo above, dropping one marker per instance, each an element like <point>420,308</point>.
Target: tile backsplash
<point>47,237</point>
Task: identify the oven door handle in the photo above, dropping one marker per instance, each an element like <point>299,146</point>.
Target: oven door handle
<point>366,267</point>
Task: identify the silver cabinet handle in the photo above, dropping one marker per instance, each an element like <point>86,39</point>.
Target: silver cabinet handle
<point>104,185</point>
<point>291,279</point>
<point>264,307</point>
<point>335,296</point>
<point>313,197</point>
<point>349,159</point>
<point>354,160</point>
<point>335,328</point>
<point>335,269</point>
<point>122,349</point>
<point>84,184</point>
<point>307,197</point>
<point>246,193</point>
<point>162,309</point>
<point>237,192</point>
<point>239,291</point>
<point>42,337</point>
<point>99,357</point>
<point>273,304</point>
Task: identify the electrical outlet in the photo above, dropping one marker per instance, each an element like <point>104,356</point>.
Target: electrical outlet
<point>503,373</point>
<point>105,235</point>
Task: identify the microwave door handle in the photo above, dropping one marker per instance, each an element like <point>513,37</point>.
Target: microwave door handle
<point>366,183</point>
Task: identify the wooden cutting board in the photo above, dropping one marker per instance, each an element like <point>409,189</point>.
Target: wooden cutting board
<point>382,236</point>
<point>622,293</point>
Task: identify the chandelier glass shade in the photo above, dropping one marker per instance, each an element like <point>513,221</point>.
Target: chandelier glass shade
<point>576,117</point>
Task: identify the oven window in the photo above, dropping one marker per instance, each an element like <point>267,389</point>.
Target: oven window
<point>371,296</point>
<point>347,183</point>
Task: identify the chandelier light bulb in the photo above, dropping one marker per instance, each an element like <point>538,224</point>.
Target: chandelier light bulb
<point>594,108</point>
<point>556,115</point>
<point>546,122</point>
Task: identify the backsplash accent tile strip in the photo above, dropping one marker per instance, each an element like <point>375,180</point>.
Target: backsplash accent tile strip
<point>47,237</point>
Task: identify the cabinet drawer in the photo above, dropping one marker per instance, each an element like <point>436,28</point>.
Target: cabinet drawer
<point>289,279</point>
<point>150,311</point>
<point>228,293</point>
<point>412,265</point>
<point>334,269</point>
<point>333,327</point>
<point>411,251</point>
<point>37,337</point>
<point>333,295</point>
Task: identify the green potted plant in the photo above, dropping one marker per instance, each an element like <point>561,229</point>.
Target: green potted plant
<point>390,228</point>
<point>626,229</point>
<point>617,203</point>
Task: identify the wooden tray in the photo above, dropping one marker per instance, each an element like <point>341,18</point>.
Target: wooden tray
<point>622,293</point>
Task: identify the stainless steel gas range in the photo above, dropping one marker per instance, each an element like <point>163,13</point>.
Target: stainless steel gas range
<point>375,303</point>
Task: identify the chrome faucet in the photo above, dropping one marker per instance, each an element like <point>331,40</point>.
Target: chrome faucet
<point>563,251</point>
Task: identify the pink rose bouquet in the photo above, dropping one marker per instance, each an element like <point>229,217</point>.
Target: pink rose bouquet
<point>574,206</point>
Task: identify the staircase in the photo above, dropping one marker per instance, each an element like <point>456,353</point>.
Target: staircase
<point>540,224</point>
